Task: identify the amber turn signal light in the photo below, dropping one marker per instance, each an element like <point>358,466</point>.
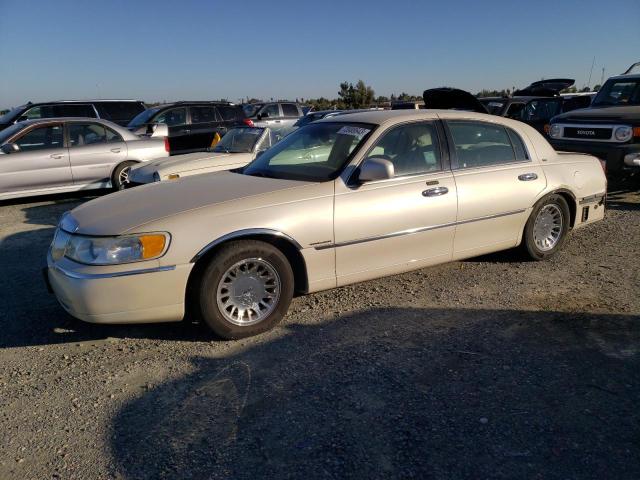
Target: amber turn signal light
<point>152,245</point>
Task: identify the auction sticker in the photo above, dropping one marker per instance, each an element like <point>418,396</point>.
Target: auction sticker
<point>358,132</point>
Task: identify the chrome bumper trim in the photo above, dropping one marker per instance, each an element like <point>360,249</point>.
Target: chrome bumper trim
<point>592,198</point>
<point>94,276</point>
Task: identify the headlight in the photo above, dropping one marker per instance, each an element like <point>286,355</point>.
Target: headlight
<point>555,131</point>
<point>156,177</point>
<point>115,250</point>
<point>622,134</point>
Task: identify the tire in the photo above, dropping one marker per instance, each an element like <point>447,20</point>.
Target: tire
<point>552,217</point>
<point>118,174</point>
<point>267,281</point>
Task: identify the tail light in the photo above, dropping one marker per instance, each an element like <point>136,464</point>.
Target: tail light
<point>636,131</point>
<point>166,144</point>
<point>248,122</point>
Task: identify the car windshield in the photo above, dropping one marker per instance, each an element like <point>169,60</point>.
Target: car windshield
<point>239,140</point>
<point>143,117</point>
<point>10,132</point>
<point>618,92</point>
<point>251,109</point>
<point>316,152</point>
<point>11,115</point>
<point>494,107</point>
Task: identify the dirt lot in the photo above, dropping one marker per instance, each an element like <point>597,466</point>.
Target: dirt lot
<point>489,368</point>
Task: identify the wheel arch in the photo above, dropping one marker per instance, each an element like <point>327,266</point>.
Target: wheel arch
<point>571,200</point>
<point>290,248</point>
<point>128,160</point>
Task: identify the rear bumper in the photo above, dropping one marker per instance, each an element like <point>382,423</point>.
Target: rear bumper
<point>123,296</point>
<point>613,154</point>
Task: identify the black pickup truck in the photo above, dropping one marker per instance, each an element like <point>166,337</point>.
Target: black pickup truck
<point>609,129</point>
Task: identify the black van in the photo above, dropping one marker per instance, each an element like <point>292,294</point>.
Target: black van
<point>193,125</point>
<point>117,111</point>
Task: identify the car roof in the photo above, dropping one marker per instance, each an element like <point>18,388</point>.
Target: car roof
<point>380,117</point>
<point>629,76</point>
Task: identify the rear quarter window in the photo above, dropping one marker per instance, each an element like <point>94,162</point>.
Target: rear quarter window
<point>119,112</point>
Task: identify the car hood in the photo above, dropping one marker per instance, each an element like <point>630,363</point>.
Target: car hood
<point>185,163</point>
<point>123,211</point>
<point>452,99</point>
<point>629,114</point>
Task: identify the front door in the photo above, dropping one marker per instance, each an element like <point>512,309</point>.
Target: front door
<point>402,223</point>
<point>94,151</point>
<point>497,180</point>
<point>42,161</point>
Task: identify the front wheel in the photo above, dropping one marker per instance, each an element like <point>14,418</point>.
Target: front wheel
<point>246,289</point>
<point>547,227</point>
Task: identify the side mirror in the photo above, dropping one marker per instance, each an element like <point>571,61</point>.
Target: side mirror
<point>376,168</point>
<point>10,148</point>
<point>160,130</point>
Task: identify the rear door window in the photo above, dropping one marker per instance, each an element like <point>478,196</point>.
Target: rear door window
<point>229,113</point>
<point>479,144</point>
<point>40,138</point>
<point>289,110</point>
<point>74,110</point>
<point>203,114</point>
<point>86,134</point>
<point>119,112</point>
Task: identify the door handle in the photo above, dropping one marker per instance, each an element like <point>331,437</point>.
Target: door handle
<point>527,177</point>
<point>56,155</point>
<point>435,192</point>
<point>115,150</point>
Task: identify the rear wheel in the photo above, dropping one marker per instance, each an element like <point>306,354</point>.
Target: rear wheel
<point>547,227</point>
<point>246,289</point>
<point>121,175</point>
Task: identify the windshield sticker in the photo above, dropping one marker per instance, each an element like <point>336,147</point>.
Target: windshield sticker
<point>358,132</point>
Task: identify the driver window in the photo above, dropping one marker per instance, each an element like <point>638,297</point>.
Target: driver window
<point>173,117</point>
<point>41,138</point>
<point>412,148</point>
<point>272,109</point>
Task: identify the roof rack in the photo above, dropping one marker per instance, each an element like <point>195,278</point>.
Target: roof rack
<point>213,102</point>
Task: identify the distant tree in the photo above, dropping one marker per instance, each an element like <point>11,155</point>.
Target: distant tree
<point>596,87</point>
<point>358,96</point>
<point>569,90</point>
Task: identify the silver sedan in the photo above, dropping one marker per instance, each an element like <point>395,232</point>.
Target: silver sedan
<point>68,154</point>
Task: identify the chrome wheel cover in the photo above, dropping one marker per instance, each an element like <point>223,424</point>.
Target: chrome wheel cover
<point>124,176</point>
<point>248,291</point>
<point>547,228</point>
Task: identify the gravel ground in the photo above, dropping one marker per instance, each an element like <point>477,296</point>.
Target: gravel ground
<point>488,368</point>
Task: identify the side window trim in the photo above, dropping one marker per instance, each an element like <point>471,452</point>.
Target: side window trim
<point>454,156</point>
<point>444,153</point>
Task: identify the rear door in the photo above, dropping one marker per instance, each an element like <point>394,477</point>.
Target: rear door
<point>205,122</point>
<point>42,162</point>
<point>94,151</point>
<point>497,181</point>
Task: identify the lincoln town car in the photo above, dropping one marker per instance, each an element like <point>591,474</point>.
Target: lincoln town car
<point>341,200</point>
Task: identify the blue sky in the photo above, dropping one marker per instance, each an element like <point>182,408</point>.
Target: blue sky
<point>187,49</point>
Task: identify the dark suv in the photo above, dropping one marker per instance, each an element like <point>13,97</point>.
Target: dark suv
<point>609,129</point>
<point>117,111</point>
<point>193,126</point>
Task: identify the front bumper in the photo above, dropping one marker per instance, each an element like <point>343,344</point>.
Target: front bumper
<point>120,294</point>
<point>613,153</point>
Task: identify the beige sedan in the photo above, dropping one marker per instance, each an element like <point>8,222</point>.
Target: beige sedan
<point>379,193</point>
